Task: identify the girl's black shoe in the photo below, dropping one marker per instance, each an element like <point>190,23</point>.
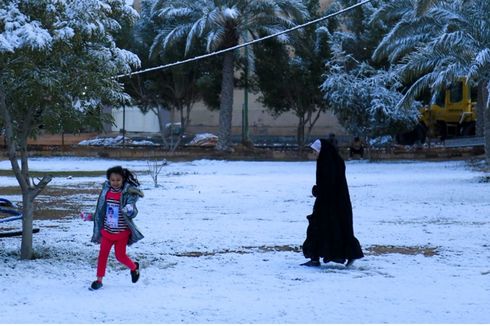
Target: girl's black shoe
<point>135,275</point>
<point>96,285</point>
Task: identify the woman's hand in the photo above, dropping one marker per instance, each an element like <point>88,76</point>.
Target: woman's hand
<point>314,190</point>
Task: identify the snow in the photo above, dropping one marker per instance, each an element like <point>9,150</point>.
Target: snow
<point>231,13</point>
<point>231,216</point>
<point>19,32</point>
<point>204,139</point>
<point>64,33</point>
<point>112,141</point>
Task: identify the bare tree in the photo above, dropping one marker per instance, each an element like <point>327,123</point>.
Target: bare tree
<point>154,169</point>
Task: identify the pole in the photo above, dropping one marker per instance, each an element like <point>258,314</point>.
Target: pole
<point>245,136</point>
<point>124,126</point>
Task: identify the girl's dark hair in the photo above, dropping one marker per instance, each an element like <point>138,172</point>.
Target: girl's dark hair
<point>127,175</point>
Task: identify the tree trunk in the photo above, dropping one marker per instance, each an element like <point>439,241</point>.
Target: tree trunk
<point>27,217</point>
<point>29,192</point>
<point>28,195</point>
<point>487,122</point>
<point>226,103</point>
<point>300,133</point>
<point>480,109</point>
<point>161,124</point>
<point>311,122</point>
<point>175,143</point>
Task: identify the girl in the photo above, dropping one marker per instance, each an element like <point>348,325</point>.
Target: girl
<point>113,221</point>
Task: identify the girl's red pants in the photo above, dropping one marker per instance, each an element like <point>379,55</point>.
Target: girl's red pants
<point>120,241</point>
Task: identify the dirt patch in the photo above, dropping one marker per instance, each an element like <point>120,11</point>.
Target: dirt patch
<point>9,191</point>
<point>375,250</point>
<point>378,250</point>
<point>241,251</point>
<point>40,174</point>
<point>276,248</point>
<point>484,179</point>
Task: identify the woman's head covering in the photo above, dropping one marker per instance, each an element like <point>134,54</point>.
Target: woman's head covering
<point>316,145</point>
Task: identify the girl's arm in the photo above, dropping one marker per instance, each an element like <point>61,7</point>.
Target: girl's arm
<point>132,197</point>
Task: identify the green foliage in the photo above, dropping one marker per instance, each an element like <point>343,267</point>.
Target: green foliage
<point>288,75</point>
<point>358,34</point>
<point>59,120</point>
<point>209,83</point>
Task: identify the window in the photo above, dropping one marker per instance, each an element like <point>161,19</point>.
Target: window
<point>456,92</point>
<point>439,98</point>
<point>474,94</point>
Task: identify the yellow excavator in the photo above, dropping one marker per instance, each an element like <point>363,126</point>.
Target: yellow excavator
<point>452,112</point>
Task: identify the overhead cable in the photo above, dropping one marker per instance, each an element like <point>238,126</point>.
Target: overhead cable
<point>207,55</point>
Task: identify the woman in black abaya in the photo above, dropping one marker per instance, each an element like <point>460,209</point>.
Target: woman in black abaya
<point>330,233</point>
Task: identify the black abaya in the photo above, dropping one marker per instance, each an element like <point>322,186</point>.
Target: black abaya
<point>330,232</point>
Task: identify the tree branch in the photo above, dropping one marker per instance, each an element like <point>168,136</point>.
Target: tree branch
<point>41,185</point>
<point>11,143</point>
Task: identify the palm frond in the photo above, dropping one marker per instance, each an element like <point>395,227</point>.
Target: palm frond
<point>423,6</point>
<point>408,34</point>
<point>292,10</point>
<point>454,39</point>
<point>446,15</point>
<point>156,44</point>
<point>215,39</point>
<point>394,10</point>
<point>481,65</point>
<point>446,77</point>
<point>210,40</point>
<point>174,13</point>
<point>420,62</point>
<point>220,23</point>
<point>416,89</point>
<point>176,34</point>
<point>195,31</point>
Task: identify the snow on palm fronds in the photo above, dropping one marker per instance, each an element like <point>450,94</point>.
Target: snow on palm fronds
<point>436,42</point>
<point>223,22</point>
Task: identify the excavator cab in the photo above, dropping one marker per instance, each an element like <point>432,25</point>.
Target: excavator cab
<point>451,112</point>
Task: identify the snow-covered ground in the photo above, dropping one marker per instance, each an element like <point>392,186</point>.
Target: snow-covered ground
<point>221,246</point>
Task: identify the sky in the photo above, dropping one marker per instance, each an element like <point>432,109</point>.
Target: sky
<point>222,245</point>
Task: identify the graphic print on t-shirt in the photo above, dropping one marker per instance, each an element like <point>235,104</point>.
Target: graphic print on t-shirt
<point>112,215</point>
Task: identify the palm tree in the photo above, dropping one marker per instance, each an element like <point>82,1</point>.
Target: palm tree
<point>438,41</point>
<point>222,24</point>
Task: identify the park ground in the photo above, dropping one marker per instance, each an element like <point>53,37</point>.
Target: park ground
<point>222,245</point>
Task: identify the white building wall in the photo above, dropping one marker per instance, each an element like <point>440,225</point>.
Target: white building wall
<point>261,122</point>
<point>136,121</point>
